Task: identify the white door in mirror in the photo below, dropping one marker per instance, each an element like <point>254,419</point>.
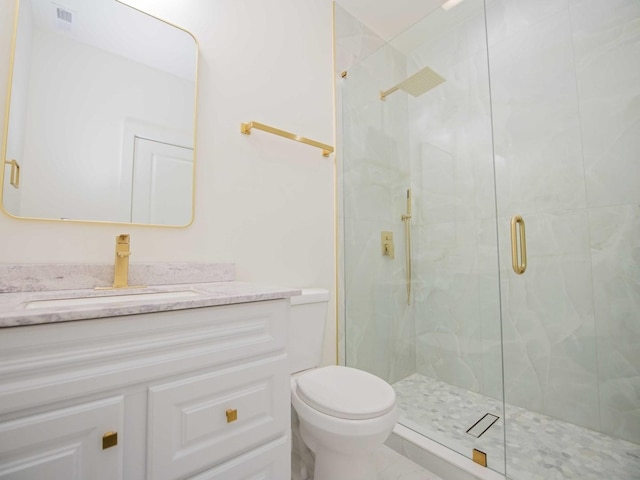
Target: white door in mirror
<point>162,183</point>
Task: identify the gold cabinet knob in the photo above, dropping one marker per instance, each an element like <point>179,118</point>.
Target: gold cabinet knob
<point>232,415</point>
<point>109,439</point>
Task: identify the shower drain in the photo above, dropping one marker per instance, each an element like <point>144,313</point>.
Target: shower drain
<point>481,426</point>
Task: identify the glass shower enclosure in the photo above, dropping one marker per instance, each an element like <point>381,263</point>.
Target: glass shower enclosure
<point>470,120</point>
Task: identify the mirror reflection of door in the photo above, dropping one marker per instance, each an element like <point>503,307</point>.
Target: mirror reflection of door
<point>162,183</point>
<point>87,77</point>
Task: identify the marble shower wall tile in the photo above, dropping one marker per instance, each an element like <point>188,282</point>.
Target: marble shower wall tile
<point>441,51</point>
<point>548,320</point>
<point>566,102</point>
<point>353,40</point>
<point>449,115</point>
<point>379,331</point>
<point>615,252</point>
<point>506,18</point>
<point>489,308</point>
<point>434,183</point>
<point>379,71</point>
<point>380,335</point>
<point>538,148</point>
<point>457,327</point>
<point>606,39</point>
<point>457,305</point>
<point>452,156</point>
<point>376,167</point>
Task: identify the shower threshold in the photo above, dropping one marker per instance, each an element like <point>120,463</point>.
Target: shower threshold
<point>539,447</point>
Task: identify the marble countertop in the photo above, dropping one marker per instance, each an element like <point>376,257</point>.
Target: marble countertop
<point>15,311</point>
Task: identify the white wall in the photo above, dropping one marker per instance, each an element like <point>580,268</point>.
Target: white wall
<point>262,202</point>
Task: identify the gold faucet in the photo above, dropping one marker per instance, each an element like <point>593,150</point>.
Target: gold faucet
<point>121,268</point>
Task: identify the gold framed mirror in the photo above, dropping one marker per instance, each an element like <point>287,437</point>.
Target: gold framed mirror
<point>101,115</point>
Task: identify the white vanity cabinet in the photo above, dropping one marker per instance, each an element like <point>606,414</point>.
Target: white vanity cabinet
<point>200,393</point>
<point>61,443</point>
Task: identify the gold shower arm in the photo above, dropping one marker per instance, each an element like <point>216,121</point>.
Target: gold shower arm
<point>246,129</point>
<point>383,95</point>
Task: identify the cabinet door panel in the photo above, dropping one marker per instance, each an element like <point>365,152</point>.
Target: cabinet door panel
<point>269,462</point>
<point>188,425</point>
<point>64,444</point>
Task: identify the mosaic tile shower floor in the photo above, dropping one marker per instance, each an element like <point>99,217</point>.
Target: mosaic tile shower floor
<point>539,447</point>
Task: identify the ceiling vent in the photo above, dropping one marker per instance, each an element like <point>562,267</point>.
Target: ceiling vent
<point>65,18</point>
<point>64,15</point>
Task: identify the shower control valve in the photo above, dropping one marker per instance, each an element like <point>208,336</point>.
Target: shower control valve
<point>388,249</point>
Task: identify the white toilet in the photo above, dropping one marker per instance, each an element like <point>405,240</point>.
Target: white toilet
<point>344,413</point>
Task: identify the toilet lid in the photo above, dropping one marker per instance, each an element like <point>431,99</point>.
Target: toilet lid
<point>345,392</point>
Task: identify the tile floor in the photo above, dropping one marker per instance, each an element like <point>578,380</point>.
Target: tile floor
<point>390,465</point>
<point>539,447</point>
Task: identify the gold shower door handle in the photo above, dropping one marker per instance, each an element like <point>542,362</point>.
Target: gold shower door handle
<point>518,238</point>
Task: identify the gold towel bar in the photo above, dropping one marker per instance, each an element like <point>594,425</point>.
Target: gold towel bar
<point>246,129</point>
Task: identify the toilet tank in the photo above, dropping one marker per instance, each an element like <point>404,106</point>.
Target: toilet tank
<point>307,318</point>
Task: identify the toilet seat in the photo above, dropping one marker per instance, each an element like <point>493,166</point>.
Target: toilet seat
<point>345,392</point>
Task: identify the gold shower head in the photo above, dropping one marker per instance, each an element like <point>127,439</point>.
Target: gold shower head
<point>417,84</point>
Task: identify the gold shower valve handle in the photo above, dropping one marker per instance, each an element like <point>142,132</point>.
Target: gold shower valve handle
<point>388,248</point>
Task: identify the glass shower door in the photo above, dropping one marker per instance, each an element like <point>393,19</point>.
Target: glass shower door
<point>566,122</point>
<point>440,347</point>
<point>537,117</point>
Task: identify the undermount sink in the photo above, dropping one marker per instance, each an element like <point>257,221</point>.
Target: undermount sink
<point>101,300</point>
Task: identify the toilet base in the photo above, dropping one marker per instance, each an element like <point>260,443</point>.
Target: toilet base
<point>343,447</point>
<point>332,465</point>
<point>342,458</point>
